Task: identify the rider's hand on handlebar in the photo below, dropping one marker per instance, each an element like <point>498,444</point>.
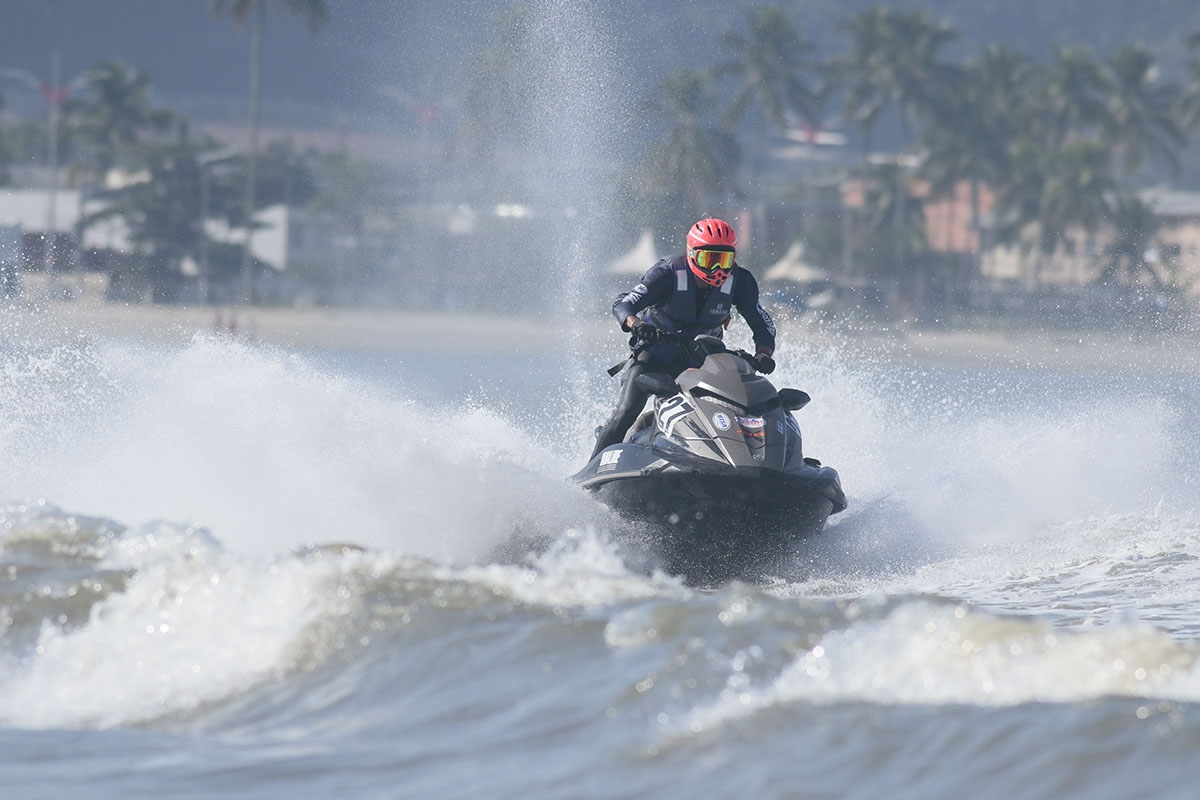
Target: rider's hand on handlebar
<point>642,333</point>
<point>763,363</point>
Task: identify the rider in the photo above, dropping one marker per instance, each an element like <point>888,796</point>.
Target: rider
<point>687,294</point>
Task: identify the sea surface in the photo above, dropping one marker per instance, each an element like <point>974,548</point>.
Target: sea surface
<point>235,570</point>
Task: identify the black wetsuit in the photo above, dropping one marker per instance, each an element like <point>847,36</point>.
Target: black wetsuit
<point>675,302</point>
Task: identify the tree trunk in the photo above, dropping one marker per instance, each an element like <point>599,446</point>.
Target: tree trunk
<point>256,34</point>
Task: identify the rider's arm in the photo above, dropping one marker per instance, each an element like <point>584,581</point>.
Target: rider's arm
<point>760,322</point>
<point>656,286</point>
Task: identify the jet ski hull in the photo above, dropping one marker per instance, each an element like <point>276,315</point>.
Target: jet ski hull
<point>715,474</point>
<point>711,528</point>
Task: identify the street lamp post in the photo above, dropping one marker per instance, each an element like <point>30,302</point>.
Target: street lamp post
<point>55,94</point>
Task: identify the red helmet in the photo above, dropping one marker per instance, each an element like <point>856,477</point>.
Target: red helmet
<point>707,242</point>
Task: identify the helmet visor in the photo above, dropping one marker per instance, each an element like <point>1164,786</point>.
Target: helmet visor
<point>711,260</point>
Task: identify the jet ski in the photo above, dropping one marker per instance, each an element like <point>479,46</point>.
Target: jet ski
<point>717,470</point>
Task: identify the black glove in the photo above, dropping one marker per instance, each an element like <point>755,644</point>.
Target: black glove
<point>763,363</point>
<point>642,333</point>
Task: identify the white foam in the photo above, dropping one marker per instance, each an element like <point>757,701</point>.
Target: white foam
<point>269,452</point>
<point>192,626</point>
<point>582,569</point>
<point>937,654</point>
<point>982,459</point>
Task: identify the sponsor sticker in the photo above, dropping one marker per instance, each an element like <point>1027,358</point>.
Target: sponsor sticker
<point>721,421</point>
<point>751,423</point>
<point>610,457</point>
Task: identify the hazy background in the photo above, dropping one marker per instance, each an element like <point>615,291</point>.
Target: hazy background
<point>370,49</point>
<point>567,118</point>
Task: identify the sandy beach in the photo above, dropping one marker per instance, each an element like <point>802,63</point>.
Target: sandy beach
<point>1131,351</point>
<point>450,332</point>
<point>285,327</point>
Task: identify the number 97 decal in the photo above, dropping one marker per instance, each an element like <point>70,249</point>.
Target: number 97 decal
<point>671,411</point>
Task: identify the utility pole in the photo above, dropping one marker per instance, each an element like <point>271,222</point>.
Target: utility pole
<point>55,94</point>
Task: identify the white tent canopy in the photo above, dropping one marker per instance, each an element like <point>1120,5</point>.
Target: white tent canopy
<point>792,267</point>
<point>637,260</point>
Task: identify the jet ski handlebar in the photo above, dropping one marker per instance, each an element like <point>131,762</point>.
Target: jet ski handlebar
<point>702,346</point>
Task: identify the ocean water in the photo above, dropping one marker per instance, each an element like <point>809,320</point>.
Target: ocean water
<point>235,570</point>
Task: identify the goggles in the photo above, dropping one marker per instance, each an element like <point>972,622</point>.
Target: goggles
<point>710,260</point>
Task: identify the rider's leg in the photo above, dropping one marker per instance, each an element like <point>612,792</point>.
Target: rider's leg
<point>633,400</point>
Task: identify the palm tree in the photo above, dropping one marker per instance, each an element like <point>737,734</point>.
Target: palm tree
<point>497,86</point>
<point>893,61</point>
<point>19,140</point>
<point>5,154</point>
<point>1078,186</point>
<point>1188,104</point>
<point>857,72</point>
<point>1051,190</point>
<point>1136,225</point>
<point>771,65</point>
<point>254,12</point>
<point>972,138</point>
<point>166,212</point>
<point>1077,95</point>
<point>1019,197</point>
<point>1141,113</point>
<point>348,192</point>
<point>692,167</point>
<point>895,222</point>
<point>114,113</point>
<point>1059,169</point>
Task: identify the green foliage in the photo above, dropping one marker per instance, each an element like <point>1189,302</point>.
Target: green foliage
<point>692,168</point>
<point>775,79</point>
<point>163,210</point>
<point>285,176</point>
<point>6,154</point>
<point>254,13</point>
<point>1078,179</point>
<point>1141,111</point>
<point>774,70</point>
<point>894,60</point>
<point>893,221</point>
<point>1061,140</point>
<point>186,183</point>
<point>1060,143</point>
<point>1187,107</point>
<point>1136,226</point>
<point>111,115</point>
<point>498,93</point>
